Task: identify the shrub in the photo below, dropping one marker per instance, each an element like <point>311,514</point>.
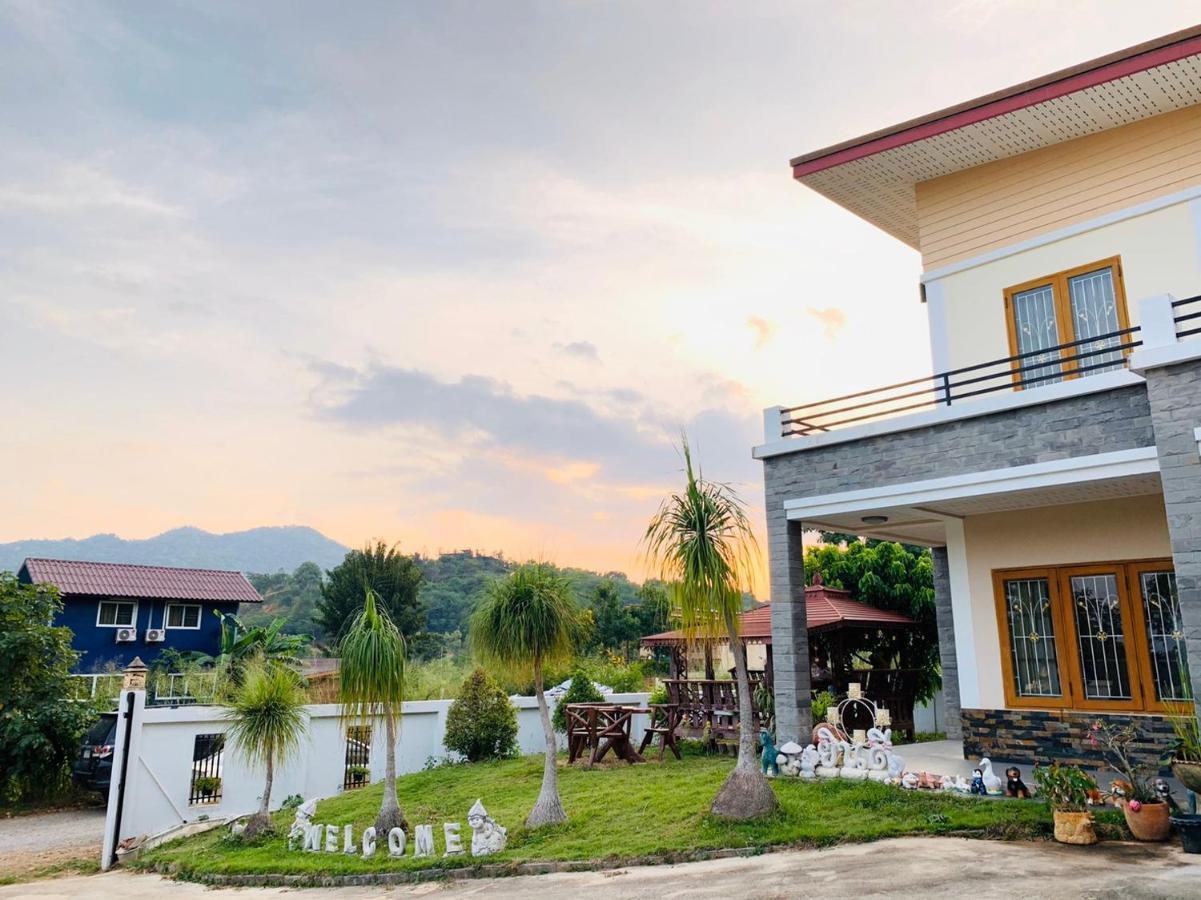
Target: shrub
<point>1066,788</point>
<point>482,723</point>
<point>581,690</point>
<point>820,704</point>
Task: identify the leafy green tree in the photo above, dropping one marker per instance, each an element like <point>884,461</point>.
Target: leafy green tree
<point>581,690</point>
<point>524,623</point>
<point>373,687</point>
<point>39,729</point>
<point>393,577</point>
<point>482,723</point>
<point>615,624</point>
<point>267,723</point>
<point>453,583</point>
<point>242,646</point>
<point>703,546</point>
<point>292,596</point>
<point>895,577</point>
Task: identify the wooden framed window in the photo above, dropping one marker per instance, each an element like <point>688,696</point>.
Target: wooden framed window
<point>1074,305</point>
<point>1103,636</point>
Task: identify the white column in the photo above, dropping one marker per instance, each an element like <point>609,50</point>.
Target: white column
<point>961,604</point>
<point>125,711</point>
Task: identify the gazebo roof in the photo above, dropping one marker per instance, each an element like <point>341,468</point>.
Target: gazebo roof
<point>826,609</point>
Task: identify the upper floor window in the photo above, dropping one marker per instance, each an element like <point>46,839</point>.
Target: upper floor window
<point>183,615</point>
<point>1072,306</point>
<point>116,613</point>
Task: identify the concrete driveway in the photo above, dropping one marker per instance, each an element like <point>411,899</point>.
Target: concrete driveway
<point>907,867</point>
<point>36,841</point>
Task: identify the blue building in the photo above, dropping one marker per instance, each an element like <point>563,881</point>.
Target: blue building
<point>118,611</point>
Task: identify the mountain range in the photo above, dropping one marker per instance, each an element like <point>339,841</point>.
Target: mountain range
<point>269,549</point>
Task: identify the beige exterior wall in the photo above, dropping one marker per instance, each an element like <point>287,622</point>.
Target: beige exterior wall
<point>1126,529</point>
<point>1160,252</point>
<point>1005,202</point>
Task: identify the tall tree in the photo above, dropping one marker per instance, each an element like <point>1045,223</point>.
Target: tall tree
<point>701,543</point>
<point>525,623</point>
<point>373,687</point>
<point>39,730</point>
<point>267,722</point>
<point>392,576</point>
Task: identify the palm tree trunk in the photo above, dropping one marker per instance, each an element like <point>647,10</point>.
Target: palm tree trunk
<point>746,793</point>
<point>265,807</point>
<point>549,808</point>
<point>390,814</point>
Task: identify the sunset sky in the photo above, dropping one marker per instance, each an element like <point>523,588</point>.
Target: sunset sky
<point>452,274</point>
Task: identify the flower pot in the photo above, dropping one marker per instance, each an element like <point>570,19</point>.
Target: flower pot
<point>1190,832</point>
<point>1074,827</point>
<point>1188,774</point>
<point>1150,822</point>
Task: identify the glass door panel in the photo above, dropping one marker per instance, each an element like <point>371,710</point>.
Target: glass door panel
<point>1100,637</point>
<point>1165,634</point>
<point>1037,329</point>
<point>1094,308</point>
<point>1032,649</point>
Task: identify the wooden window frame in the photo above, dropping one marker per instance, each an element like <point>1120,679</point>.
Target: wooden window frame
<point>1138,655</point>
<point>1058,283</point>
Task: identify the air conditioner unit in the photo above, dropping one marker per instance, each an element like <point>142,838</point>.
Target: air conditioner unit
<point>126,635</point>
<point>155,635</point>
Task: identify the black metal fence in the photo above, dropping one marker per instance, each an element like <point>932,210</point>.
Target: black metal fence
<point>356,770</point>
<point>207,753</point>
<point>1187,321</point>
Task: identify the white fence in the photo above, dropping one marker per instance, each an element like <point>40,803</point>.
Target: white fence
<point>159,789</point>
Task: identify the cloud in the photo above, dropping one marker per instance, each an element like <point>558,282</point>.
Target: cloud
<point>764,330</point>
<point>832,319</point>
<point>585,350</point>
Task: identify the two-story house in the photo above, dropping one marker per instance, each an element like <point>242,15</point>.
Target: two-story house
<point>1053,461</point>
<point>118,611</point>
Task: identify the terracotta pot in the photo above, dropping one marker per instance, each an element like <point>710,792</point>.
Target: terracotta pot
<point>1074,827</point>
<point>1188,774</point>
<point>1150,823</point>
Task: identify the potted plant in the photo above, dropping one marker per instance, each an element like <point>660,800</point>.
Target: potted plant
<point>358,774</point>
<point>1067,790</point>
<point>1147,815</point>
<point>207,786</point>
<point>1185,760</point>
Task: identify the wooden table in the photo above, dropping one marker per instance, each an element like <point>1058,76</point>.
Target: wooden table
<point>601,727</point>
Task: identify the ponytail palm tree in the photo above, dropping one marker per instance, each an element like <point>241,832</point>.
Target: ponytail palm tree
<point>701,545</point>
<point>524,623</point>
<point>267,723</point>
<point>373,687</point>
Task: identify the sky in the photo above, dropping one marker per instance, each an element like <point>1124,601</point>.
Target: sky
<point>453,274</point>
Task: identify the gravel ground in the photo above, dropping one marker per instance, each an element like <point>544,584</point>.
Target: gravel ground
<point>904,867</point>
<point>35,841</point>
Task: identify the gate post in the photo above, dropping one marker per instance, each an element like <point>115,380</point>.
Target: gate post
<point>130,705</point>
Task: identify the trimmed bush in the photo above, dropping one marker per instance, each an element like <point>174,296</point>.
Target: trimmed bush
<point>482,723</point>
<point>581,690</point>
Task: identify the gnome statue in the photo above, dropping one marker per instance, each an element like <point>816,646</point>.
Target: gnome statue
<point>487,837</point>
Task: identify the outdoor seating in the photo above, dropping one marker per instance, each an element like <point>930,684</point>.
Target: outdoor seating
<point>599,728</point>
<point>665,719</point>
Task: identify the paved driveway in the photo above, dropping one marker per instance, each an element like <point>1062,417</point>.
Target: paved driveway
<point>33,842</point>
<point>908,867</point>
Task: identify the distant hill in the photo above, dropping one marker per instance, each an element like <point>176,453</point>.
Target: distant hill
<point>256,550</point>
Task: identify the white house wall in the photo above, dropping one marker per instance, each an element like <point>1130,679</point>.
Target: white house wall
<point>1160,251</point>
<point>1130,528</point>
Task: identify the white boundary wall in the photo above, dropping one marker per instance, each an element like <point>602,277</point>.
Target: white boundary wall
<point>158,780</point>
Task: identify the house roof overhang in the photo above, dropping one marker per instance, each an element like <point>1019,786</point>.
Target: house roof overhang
<point>874,176</point>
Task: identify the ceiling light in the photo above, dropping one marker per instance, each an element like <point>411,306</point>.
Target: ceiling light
<point>874,520</point>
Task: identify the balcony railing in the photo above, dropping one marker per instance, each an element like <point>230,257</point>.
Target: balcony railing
<point>1087,356</point>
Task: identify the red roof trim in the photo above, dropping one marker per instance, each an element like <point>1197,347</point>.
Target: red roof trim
<point>1110,72</point>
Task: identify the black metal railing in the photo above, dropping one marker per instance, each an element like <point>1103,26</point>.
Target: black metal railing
<point>1192,313</point>
<point>356,771</point>
<point>1089,355</point>
<point>207,751</point>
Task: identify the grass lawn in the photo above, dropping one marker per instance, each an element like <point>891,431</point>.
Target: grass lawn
<point>616,812</point>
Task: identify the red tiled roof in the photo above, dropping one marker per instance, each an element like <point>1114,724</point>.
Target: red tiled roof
<point>826,608</point>
<point>127,580</point>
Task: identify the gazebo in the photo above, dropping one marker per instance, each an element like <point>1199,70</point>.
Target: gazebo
<point>838,626</point>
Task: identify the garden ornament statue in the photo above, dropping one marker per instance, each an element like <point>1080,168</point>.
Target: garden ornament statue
<point>300,825</point>
<point>809,761</point>
<point>909,781</point>
<point>487,837</point>
<point>947,783</point>
<point>1014,786</point>
<point>961,785</point>
<point>992,783</point>
<point>829,751</point>
<point>789,759</point>
<point>767,759</point>
<point>978,782</point>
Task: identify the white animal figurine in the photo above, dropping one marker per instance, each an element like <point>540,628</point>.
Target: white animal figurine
<point>896,765</point>
<point>962,785</point>
<point>878,738</point>
<point>909,781</point>
<point>947,783</point>
<point>829,751</point>
<point>809,761</point>
<point>300,825</point>
<point>487,837</point>
<point>992,783</point>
